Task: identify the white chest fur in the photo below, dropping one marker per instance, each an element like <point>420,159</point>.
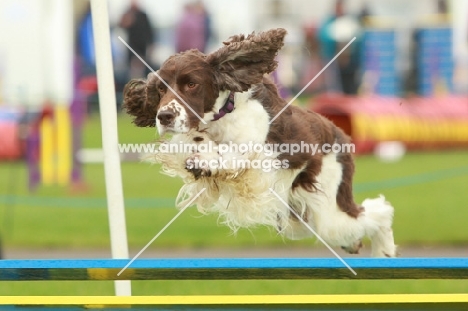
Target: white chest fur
<point>247,123</point>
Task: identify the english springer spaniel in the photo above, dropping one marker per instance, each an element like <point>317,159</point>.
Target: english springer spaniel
<point>226,99</point>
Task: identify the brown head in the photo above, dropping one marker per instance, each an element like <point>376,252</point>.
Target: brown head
<point>185,88</point>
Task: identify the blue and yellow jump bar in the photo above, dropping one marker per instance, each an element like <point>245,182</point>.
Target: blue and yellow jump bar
<point>234,269</point>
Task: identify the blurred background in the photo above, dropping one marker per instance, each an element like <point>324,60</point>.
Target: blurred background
<point>400,90</point>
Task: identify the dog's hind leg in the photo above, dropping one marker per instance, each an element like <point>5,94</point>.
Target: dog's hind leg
<point>340,228</point>
<point>377,219</point>
<point>376,214</point>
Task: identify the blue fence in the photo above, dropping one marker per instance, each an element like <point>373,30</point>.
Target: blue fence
<point>379,57</point>
<point>435,60</point>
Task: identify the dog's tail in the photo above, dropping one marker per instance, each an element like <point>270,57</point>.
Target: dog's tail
<point>378,223</point>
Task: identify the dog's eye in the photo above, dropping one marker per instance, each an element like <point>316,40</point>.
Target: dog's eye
<point>191,85</point>
<point>161,89</point>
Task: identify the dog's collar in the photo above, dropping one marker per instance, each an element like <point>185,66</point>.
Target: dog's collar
<point>228,107</point>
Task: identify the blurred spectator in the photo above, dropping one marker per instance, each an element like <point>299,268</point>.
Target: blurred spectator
<point>85,68</point>
<point>140,37</point>
<point>312,62</point>
<point>337,30</point>
<point>85,44</point>
<point>194,29</point>
<point>411,82</point>
<point>442,10</point>
<point>207,24</point>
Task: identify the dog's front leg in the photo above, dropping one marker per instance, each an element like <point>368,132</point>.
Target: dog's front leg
<point>203,164</point>
<point>216,164</point>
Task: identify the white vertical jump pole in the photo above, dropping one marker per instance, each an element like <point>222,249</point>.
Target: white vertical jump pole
<point>108,111</point>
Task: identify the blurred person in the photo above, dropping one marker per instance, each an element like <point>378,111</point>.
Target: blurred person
<point>85,44</point>
<point>85,84</point>
<point>140,37</point>
<point>207,24</point>
<point>411,79</point>
<point>337,30</point>
<point>312,62</point>
<point>194,28</point>
<point>442,10</point>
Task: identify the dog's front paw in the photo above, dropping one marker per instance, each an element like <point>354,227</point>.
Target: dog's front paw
<point>197,167</point>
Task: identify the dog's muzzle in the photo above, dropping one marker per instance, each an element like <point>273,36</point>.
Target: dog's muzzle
<point>166,117</point>
<point>173,118</point>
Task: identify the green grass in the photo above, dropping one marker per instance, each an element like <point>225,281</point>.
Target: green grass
<point>238,287</point>
<point>48,218</point>
<point>428,191</point>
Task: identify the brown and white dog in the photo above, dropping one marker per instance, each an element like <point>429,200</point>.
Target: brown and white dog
<point>230,91</point>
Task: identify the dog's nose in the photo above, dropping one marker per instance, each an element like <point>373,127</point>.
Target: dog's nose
<point>166,117</point>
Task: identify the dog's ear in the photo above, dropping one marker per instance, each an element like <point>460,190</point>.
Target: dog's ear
<point>141,100</point>
<point>244,60</point>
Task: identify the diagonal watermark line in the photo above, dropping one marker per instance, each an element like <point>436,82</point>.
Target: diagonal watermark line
<point>159,77</point>
<point>313,79</point>
<point>161,231</point>
<point>313,231</point>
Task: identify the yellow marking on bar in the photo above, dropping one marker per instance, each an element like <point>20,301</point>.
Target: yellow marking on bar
<point>109,274</point>
<point>233,299</point>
